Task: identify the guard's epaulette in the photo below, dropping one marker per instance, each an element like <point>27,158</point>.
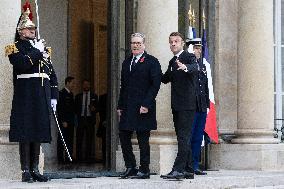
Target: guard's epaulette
<point>49,50</point>
<point>11,49</point>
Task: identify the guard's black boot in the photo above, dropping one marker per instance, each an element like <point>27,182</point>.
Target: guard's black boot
<point>24,149</point>
<point>38,177</point>
<point>35,150</point>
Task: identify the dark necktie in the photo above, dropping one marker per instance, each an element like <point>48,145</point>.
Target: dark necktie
<point>173,62</point>
<point>133,63</point>
<point>86,105</point>
<point>198,64</point>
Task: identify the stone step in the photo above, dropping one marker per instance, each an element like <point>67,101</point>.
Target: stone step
<point>265,187</point>
<point>214,180</point>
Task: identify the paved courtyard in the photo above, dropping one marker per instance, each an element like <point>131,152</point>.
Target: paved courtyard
<point>222,179</point>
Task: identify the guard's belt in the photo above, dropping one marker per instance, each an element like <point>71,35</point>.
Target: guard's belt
<point>26,76</point>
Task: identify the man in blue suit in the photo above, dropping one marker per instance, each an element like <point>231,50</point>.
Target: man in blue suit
<point>140,83</point>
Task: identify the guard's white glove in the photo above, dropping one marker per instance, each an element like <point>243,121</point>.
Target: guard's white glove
<point>38,44</point>
<point>190,49</point>
<point>45,55</point>
<point>53,104</point>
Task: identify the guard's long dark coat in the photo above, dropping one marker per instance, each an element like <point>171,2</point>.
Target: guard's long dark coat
<point>139,87</point>
<point>31,106</point>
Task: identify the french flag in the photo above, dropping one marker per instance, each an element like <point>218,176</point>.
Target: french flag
<point>211,123</point>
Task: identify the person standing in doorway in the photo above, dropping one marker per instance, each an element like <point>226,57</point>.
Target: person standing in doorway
<point>140,83</point>
<point>66,116</point>
<point>86,108</point>
<point>35,93</point>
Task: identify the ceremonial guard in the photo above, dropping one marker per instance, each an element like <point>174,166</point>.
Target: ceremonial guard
<point>35,93</point>
<point>202,103</point>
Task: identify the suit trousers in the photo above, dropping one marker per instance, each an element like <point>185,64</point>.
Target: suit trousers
<point>85,128</point>
<point>183,121</point>
<point>127,150</point>
<point>197,137</point>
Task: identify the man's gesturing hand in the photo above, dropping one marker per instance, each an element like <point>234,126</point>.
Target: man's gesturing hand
<point>143,110</point>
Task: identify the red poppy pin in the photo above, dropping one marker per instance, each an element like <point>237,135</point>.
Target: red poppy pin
<point>142,59</point>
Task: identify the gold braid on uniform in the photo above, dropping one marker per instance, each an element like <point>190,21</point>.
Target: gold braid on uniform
<point>11,49</point>
<point>49,51</point>
<point>30,59</point>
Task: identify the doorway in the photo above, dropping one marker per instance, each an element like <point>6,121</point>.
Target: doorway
<point>87,31</point>
<point>88,43</point>
<point>87,47</point>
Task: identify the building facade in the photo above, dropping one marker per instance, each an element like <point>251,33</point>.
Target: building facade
<point>91,38</point>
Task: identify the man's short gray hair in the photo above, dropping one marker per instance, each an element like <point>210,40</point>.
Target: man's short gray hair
<point>138,35</point>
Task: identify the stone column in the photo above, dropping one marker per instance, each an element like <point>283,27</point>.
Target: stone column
<point>157,20</point>
<point>9,152</point>
<point>255,72</point>
<point>254,147</point>
<point>225,67</point>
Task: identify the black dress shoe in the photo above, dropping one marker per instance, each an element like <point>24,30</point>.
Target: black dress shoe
<point>39,177</point>
<point>189,169</point>
<point>164,176</point>
<point>188,175</point>
<point>173,175</point>
<point>199,172</point>
<point>129,172</point>
<point>141,175</point>
<point>27,177</point>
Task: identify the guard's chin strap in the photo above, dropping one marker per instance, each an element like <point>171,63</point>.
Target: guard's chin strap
<point>28,38</point>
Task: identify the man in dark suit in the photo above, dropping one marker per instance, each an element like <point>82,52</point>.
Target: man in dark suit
<point>181,73</point>
<point>140,83</point>
<point>86,109</point>
<point>66,116</point>
<point>203,102</point>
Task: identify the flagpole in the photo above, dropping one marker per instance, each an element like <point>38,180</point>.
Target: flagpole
<point>202,32</point>
<point>199,15</point>
<point>37,19</point>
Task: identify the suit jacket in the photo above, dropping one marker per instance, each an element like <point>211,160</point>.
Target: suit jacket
<point>139,87</point>
<point>66,107</point>
<point>183,96</point>
<point>93,102</point>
